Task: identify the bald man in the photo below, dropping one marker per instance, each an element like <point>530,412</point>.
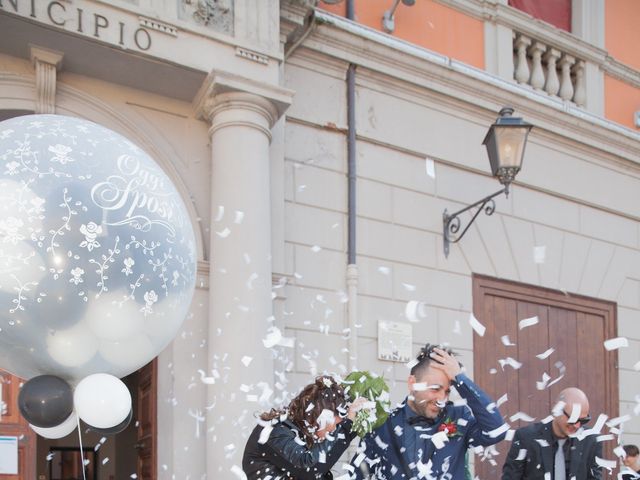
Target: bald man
<point>551,451</point>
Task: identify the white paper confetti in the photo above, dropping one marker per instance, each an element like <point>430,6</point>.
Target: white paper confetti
<point>506,342</point>
<point>539,254</point>
<point>521,416</point>
<point>238,218</point>
<point>384,270</point>
<point>246,360</point>
<point>575,413</point>
<point>636,367</point>
<point>316,249</point>
<point>439,439</point>
<point>545,354</point>
<point>498,431</point>
<point>512,362</point>
<point>476,325</point>
<point>618,420</point>
<point>220,214</point>
<point>619,451</point>
<point>528,322</point>
<point>545,380</point>
<point>456,328</point>
<point>264,434</point>
<point>224,233</point>
<point>430,166</point>
<point>615,343</point>
<point>237,471</point>
<point>522,454</point>
<point>608,464</point>
<point>409,287</point>
<point>415,311</point>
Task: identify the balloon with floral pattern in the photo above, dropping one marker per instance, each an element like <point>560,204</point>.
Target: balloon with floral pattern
<point>97,254</point>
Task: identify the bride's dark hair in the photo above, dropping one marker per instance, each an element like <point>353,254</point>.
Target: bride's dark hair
<point>323,394</point>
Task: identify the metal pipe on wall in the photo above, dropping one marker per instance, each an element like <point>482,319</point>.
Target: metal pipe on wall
<point>352,268</point>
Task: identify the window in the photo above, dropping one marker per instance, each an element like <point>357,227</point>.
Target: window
<point>555,12</point>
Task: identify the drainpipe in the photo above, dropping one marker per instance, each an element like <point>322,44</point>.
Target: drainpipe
<point>352,268</point>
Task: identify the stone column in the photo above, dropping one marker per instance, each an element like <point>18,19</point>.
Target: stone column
<point>241,114</point>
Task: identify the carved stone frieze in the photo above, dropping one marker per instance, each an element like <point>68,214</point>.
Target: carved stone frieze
<point>214,14</point>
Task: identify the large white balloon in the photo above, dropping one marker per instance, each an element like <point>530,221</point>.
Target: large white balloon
<point>59,431</point>
<point>102,400</point>
<point>96,250</point>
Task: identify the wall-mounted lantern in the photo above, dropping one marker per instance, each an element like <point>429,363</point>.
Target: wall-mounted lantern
<point>505,142</point>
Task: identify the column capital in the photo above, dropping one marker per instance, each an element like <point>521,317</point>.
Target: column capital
<point>222,90</point>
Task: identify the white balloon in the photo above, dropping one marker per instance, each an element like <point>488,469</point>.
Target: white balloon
<point>93,234</point>
<point>126,353</point>
<point>73,347</point>
<point>59,431</point>
<point>102,400</point>
<point>114,317</point>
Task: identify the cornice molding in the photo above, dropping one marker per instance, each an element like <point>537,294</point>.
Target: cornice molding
<point>622,71</point>
<point>404,63</point>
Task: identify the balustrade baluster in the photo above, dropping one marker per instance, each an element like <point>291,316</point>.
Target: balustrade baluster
<point>566,87</point>
<point>537,73</point>
<point>522,65</point>
<point>553,83</point>
<point>580,95</point>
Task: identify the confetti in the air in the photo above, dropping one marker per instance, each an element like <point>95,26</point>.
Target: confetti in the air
<point>430,166</point>
<point>521,416</point>
<point>545,354</point>
<point>316,249</point>
<point>439,439</point>
<point>512,362</point>
<point>615,343</point>
<point>476,325</point>
<point>384,270</point>
<point>539,254</point>
<point>575,413</point>
<point>409,287</point>
<point>239,217</point>
<point>224,233</point>
<point>220,214</point>
<point>506,342</point>
<point>414,311</point>
<point>608,464</point>
<point>246,360</point>
<point>528,322</point>
<point>237,471</point>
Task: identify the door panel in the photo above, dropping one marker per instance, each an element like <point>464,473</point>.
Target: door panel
<point>574,326</point>
<point>147,421</point>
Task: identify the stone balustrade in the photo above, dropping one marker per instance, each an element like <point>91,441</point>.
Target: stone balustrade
<point>545,67</point>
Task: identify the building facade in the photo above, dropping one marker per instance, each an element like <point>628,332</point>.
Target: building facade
<point>317,153</point>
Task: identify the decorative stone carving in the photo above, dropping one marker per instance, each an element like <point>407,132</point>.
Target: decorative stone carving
<point>214,14</point>
<point>46,63</point>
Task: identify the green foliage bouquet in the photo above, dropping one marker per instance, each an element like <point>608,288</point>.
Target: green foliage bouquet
<point>373,388</point>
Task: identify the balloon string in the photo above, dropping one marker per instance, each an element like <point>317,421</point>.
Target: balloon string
<point>84,467</point>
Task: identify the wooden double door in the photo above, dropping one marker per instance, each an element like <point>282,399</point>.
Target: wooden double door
<point>575,327</point>
<point>144,392</point>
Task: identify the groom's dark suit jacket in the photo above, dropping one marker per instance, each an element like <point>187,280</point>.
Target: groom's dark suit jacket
<point>538,441</point>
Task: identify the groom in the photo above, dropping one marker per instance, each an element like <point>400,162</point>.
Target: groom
<point>427,436</point>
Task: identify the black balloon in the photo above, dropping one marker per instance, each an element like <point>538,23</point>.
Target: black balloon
<point>115,429</point>
<point>46,401</point>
